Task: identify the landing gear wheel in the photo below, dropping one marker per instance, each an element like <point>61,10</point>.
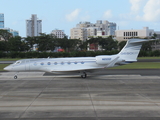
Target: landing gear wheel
<point>84,75</point>
<point>15,77</point>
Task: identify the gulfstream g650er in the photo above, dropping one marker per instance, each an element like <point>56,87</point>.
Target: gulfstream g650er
<point>81,65</point>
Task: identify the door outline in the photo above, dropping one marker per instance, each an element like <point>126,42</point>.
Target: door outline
<point>27,65</point>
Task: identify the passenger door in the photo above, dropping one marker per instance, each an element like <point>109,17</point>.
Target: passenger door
<point>27,63</point>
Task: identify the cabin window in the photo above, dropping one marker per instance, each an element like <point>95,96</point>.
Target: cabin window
<point>75,62</point>
<point>69,63</point>
<point>42,63</point>
<point>55,63</point>
<point>49,63</point>
<point>62,63</point>
<point>82,62</point>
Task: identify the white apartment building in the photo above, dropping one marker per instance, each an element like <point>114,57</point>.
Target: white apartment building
<point>58,33</point>
<point>123,35</point>
<point>33,26</point>
<point>84,30</point>
<point>78,33</point>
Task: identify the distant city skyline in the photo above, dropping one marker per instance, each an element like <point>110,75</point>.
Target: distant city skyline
<point>65,14</point>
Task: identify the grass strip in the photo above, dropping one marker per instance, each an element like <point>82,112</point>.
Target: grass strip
<point>140,65</point>
<point>3,66</point>
<point>10,59</point>
<point>148,57</point>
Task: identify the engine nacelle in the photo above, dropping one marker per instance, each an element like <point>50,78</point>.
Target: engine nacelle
<point>104,59</point>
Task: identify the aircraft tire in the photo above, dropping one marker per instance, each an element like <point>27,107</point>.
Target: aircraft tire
<point>15,77</point>
<point>83,76</point>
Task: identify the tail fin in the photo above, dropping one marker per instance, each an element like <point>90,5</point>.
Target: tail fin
<point>131,49</point>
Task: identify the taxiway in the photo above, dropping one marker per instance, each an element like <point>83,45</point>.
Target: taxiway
<point>69,97</point>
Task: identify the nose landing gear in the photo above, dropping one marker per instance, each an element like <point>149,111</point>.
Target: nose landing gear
<point>16,76</point>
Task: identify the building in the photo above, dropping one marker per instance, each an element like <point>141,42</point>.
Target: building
<point>33,26</point>
<point>84,30</point>
<point>58,33</point>
<point>78,33</point>
<point>123,35</point>
<point>1,20</point>
<point>14,33</point>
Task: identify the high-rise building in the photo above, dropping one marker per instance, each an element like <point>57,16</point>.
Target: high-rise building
<point>58,33</point>
<point>84,30</point>
<point>33,26</point>
<point>1,20</point>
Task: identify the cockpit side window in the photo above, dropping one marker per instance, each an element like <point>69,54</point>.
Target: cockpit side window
<point>17,62</point>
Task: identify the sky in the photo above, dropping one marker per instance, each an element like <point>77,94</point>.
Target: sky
<point>65,14</point>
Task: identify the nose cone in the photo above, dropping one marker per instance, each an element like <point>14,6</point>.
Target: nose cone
<point>8,68</point>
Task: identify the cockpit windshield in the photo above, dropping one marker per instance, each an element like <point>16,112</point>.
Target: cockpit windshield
<point>17,62</point>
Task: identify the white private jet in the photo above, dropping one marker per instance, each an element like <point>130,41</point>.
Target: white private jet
<point>81,65</point>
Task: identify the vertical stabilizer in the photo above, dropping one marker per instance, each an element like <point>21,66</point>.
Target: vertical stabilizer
<point>131,49</point>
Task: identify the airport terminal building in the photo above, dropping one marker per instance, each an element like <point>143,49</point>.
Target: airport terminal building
<point>124,35</point>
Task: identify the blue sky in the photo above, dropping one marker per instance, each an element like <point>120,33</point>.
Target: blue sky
<point>65,14</point>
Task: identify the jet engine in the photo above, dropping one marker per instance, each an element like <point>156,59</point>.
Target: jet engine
<point>103,59</point>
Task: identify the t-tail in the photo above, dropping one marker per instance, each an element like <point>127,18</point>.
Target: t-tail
<point>131,50</point>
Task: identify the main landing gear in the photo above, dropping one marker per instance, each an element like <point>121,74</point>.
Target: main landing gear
<point>84,75</point>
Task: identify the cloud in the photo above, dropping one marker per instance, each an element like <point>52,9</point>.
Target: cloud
<point>135,5</point>
<point>151,11</point>
<point>73,15</point>
<point>107,14</point>
<point>145,10</point>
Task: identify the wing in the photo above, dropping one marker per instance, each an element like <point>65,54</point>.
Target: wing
<point>70,69</point>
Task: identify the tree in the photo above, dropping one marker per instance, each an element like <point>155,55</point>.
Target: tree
<point>46,42</point>
<point>121,44</point>
<point>94,42</point>
<point>147,46</point>
<point>5,34</point>
<point>154,36</point>
<point>108,43</point>
<point>73,44</point>
<point>30,41</point>
<point>63,43</point>
<point>83,45</point>
<point>15,44</point>
<point>2,46</point>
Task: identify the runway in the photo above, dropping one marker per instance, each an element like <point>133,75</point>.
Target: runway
<point>68,97</point>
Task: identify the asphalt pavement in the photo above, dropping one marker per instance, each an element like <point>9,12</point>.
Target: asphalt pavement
<point>35,96</point>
